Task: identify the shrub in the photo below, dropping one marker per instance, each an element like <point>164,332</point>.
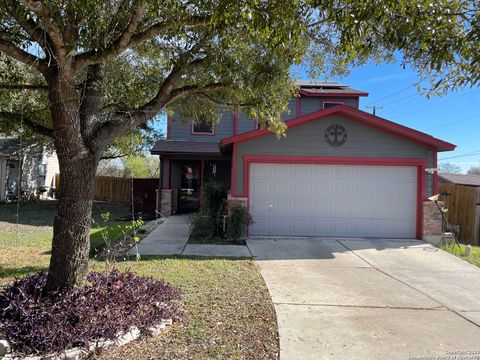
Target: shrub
<point>108,303</point>
<point>213,196</point>
<point>206,223</point>
<point>237,223</point>
<point>202,226</point>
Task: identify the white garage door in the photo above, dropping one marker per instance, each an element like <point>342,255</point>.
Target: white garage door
<point>333,200</point>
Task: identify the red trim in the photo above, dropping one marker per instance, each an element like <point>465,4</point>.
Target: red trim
<point>201,133</point>
<point>298,106</point>
<point>323,102</point>
<point>435,172</point>
<point>233,180</point>
<point>169,168</point>
<point>335,160</point>
<point>307,93</point>
<point>235,123</point>
<point>355,115</point>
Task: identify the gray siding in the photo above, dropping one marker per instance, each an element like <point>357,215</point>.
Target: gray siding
<point>225,128</point>
<point>182,130</point>
<point>308,140</point>
<point>245,123</point>
<point>292,110</point>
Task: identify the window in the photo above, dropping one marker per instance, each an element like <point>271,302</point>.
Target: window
<point>203,127</point>
<point>329,104</point>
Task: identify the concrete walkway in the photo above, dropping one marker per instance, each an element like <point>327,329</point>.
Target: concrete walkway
<point>369,299</point>
<point>171,238</point>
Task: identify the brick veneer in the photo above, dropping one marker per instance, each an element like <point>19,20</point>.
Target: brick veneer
<point>432,223</point>
<point>168,201</point>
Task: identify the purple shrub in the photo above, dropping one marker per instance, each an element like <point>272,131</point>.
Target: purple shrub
<point>110,302</point>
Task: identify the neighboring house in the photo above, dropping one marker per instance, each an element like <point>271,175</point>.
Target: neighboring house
<point>339,171</point>
<point>460,179</point>
<point>38,171</point>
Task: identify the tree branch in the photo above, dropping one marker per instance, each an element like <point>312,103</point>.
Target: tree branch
<point>40,129</point>
<point>23,56</point>
<point>130,38</point>
<point>193,89</point>
<point>50,28</point>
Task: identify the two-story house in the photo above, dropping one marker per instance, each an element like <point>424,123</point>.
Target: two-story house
<point>339,171</point>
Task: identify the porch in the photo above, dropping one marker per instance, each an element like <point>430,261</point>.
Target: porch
<point>184,167</point>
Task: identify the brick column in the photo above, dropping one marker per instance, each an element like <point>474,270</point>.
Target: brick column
<point>432,223</point>
<point>166,202</point>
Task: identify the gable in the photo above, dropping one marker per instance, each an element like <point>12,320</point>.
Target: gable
<point>361,117</point>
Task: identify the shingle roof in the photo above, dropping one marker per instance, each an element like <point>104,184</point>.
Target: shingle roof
<point>461,179</point>
<point>185,147</point>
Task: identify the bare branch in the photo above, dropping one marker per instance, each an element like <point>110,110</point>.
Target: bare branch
<point>23,56</point>
<point>129,38</point>
<point>40,129</point>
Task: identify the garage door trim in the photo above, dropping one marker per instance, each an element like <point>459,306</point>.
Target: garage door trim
<point>335,160</point>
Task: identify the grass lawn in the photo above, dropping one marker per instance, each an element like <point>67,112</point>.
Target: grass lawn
<point>34,231</point>
<point>474,258</point>
<point>228,311</point>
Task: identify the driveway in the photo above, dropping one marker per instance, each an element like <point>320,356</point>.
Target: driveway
<point>369,299</point>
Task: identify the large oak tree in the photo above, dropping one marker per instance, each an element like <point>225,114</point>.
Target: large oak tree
<point>84,73</point>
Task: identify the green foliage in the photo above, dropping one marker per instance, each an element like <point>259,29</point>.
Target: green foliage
<point>237,223</point>
<point>141,167</point>
<point>213,196</point>
<point>203,226</point>
<point>207,222</point>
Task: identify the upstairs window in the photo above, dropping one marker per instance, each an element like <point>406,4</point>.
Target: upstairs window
<point>329,104</point>
<point>203,128</point>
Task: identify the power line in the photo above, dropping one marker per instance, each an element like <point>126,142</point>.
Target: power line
<point>473,153</point>
<point>393,94</point>
<point>454,122</point>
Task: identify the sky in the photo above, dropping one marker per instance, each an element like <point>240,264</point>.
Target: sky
<point>454,117</point>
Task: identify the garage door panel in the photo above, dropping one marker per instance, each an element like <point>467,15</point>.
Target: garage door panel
<point>333,200</point>
<point>343,189</point>
<point>280,208</point>
<point>342,208</point>
<point>302,171</point>
<point>301,228</point>
<point>301,208</point>
<point>280,188</point>
<point>322,209</point>
<point>322,190</point>
<point>301,189</point>
<point>281,171</point>
<point>261,189</point>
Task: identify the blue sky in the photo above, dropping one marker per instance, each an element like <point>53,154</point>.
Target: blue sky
<point>454,117</point>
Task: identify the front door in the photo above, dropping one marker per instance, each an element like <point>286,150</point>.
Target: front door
<point>190,186</point>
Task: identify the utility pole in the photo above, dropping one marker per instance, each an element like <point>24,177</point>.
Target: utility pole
<point>374,108</point>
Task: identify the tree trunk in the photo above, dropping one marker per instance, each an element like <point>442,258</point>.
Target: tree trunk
<point>71,229</point>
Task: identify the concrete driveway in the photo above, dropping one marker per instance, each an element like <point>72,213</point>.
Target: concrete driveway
<point>369,299</point>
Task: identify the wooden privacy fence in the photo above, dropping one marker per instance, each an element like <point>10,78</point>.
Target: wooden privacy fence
<point>109,188</point>
<point>463,205</point>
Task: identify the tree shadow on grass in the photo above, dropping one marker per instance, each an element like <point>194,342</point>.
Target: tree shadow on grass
<point>20,271</point>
